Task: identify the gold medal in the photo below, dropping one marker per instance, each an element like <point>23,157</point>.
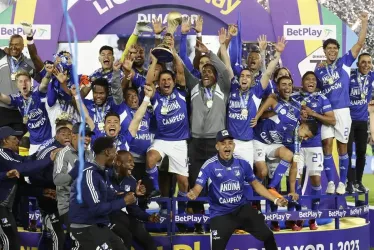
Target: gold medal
<point>303,103</point>
<point>296,158</point>
<point>13,76</point>
<point>25,119</point>
<point>164,110</point>
<point>331,80</point>
<point>101,126</point>
<point>363,96</point>
<point>209,104</point>
<point>244,112</point>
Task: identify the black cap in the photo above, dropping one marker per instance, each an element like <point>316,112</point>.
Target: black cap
<point>8,131</point>
<point>223,134</point>
<point>87,129</point>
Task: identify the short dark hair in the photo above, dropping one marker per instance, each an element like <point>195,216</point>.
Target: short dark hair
<point>306,74</point>
<point>214,69</point>
<point>362,54</point>
<point>111,113</point>
<point>246,68</point>
<point>61,122</point>
<point>330,41</point>
<point>129,89</point>
<point>313,126</point>
<point>101,82</point>
<point>284,78</point>
<point>101,144</point>
<point>106,47</point>
<point>15,36</point>
<point>169,72</point>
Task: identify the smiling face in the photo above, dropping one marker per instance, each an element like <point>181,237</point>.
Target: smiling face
<point>254,61</point>
<point>225,148</point>
<point>24,84</point>
<point>245,80</point>
<point>137,54</point>
<point>16,46</point>
<point>365,64</point>
<point>124,164</point>
<point>106,59</point>
<point>282,72</point>
<point>132,99</point>
<point>331,52</point>
<point>208,75</point>
<point>309,83</point>
<point>285,88</point>
<point>304,132</point>
<point>99,94</point>
<point>75,139</point>
<point>112,126</point>
<point>166,83</point>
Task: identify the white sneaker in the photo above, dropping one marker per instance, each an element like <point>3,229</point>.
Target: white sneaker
<point>330,188</point>
<point>341,188</point>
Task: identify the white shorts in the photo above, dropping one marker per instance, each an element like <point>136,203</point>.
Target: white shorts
<point>244,149</point>
<point>177,153</point>
<point>342,127</point>
<point>263,150</point>
<point>312,159</point>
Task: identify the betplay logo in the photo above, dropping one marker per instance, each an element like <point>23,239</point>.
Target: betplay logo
<point>309,32</point>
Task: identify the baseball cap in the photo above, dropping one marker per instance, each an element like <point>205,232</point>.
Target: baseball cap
<point>87,129</point>
<point>223,134</point>
<point>8,131</point>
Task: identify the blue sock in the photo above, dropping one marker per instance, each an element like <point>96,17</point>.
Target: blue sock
<point>343,167</point>
<point>182,204</point>
<point>316,190</point>
<point>279,172</point>
<point>329,165</point>
<point>153,175</point>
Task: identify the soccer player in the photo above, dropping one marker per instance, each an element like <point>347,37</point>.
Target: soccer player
<point>244,100</point>
<point>31,105</point>
<point>333,81</point>
<point>360,89</point>
<point>318,108</point>
<point>89,220</point>
<point>228,207</point>
<point>280,127</point>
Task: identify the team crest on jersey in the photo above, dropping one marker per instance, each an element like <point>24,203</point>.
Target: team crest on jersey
<point>219,175</point>
<point>237,173</point>
<point>314,105</point>
<point>127,188</point>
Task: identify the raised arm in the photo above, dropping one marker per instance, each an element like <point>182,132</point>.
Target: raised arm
<point>139,114</point>
<point>198,29</point>
<point>362,36</point>
<point>36,60</point>
<point>5,99</point>
<point>157,29</point>
<point>279,47</point>
<point>222,35</point>
<point>43,87</point>
<point>117,92</point>
<point>151,76</point>
<point>128,71</point>
<point>89,120</point>
<point>185,28</point>
<point>179,69</point>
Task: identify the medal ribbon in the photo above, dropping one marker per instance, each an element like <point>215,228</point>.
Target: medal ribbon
<point>244,99</point>
<point>14,66</point>
<point>360,83</point>
<point>27,104</point>
<point>209,92</point>
<point>331,74</point>
<point>165,101</point>
<point>297,141</point>
<point>100,115</point>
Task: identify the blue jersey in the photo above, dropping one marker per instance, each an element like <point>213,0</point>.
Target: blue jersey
<point>360,89</point>
<point>333,81</point>
<point>238,124</point>
<point>226,184</point>
<point>98,113</point>
<point>279,128</point>
<point>319,104</point>
<point>99,73</point>
<point>123,140</point>
<point>37,117</point>
<point>142,140</point>
<point>171,116</point>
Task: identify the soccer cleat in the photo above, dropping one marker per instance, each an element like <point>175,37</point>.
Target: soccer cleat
<point>292,225</point>
<point>313,225</point>
<point>275,193</point>
<point>330,188</point>
<point>341,188</point>
<point>154,194</point>
<point>300,223</point>
<point>275,226</point>
<point>360,188</point>
<point>199,229</point>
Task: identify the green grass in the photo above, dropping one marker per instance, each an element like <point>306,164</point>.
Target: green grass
<point>368,181</point>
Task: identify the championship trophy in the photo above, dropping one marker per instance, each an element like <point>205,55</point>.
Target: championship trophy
<point>163,51</point>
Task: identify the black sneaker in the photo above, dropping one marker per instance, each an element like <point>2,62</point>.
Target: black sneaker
<point>199,229</point>
<point>350,189</point>
<point>360,188</point>
<point>182,228</point>
<point>154,194</point>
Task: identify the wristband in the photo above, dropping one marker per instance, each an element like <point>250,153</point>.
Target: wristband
<point>158,36</point>
<point>146,99</point>
<point>275,201</point>
<point>30,38</point>
<point>198,34</point>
